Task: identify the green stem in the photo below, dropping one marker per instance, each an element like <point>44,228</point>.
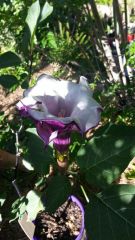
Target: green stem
<point>85,194</point>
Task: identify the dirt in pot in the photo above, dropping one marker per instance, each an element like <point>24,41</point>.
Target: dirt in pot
<point>64,224</point>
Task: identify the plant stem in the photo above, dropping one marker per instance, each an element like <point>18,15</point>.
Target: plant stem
<point>85,194</point>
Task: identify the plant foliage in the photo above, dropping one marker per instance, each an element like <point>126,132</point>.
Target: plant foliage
<point>110,214</point>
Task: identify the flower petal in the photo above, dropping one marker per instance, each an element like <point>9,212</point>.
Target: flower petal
<point>58,132</point>
<point>61,103</point>
<point>62,143</point>
<point>84,81</point>
<point>27,101</point>
<point>44,132</point>
<point>86,113</point>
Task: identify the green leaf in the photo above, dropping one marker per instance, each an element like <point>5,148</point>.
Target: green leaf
<point>39,156</point>
<point>32,17</point>
<point>57,193</point>
<point>25,84</point>
<point>111,214</point>
<point>8,81</point>
<point>46,11</point>
<point>9,59</point>
<point>105,157</point>
<point>2,116</point>
<point>18,208</point>
<point>76,142</point>
<point>26,41</point>
<point>34,204</point>
<point>51,40</point>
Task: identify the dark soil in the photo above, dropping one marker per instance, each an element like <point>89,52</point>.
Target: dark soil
<point>64,224</point>
<point>11,231</point>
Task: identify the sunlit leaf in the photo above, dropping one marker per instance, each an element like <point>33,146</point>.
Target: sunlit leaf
<point>39,156</point>
<point>32,16</point>
<point>46,11</point>
<point>34,204</point>
<point>106,156</point>
<point>111,214</point>
<point>27,165</point>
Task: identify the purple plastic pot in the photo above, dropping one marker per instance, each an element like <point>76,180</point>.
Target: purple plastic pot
<point>79,237</point>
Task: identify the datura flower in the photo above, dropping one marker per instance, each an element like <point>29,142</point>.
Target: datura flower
<point>59,107</point>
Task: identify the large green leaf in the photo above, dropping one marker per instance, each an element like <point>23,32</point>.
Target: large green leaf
<point>111,214</point>
<point>32,17</point>
<point>8,81</point>
<point>46,11</point>
<point>106,156</point>
<point>39,156</point>
<point>57,193</point>
<point>9,59</point>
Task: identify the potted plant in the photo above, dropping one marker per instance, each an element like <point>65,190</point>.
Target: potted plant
<point>68,227</point>
<point>56,115</point>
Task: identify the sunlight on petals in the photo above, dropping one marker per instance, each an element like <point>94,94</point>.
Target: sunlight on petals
<point>60,107</point>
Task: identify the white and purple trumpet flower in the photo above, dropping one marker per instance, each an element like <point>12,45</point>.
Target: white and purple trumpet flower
<point>59,107</point>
